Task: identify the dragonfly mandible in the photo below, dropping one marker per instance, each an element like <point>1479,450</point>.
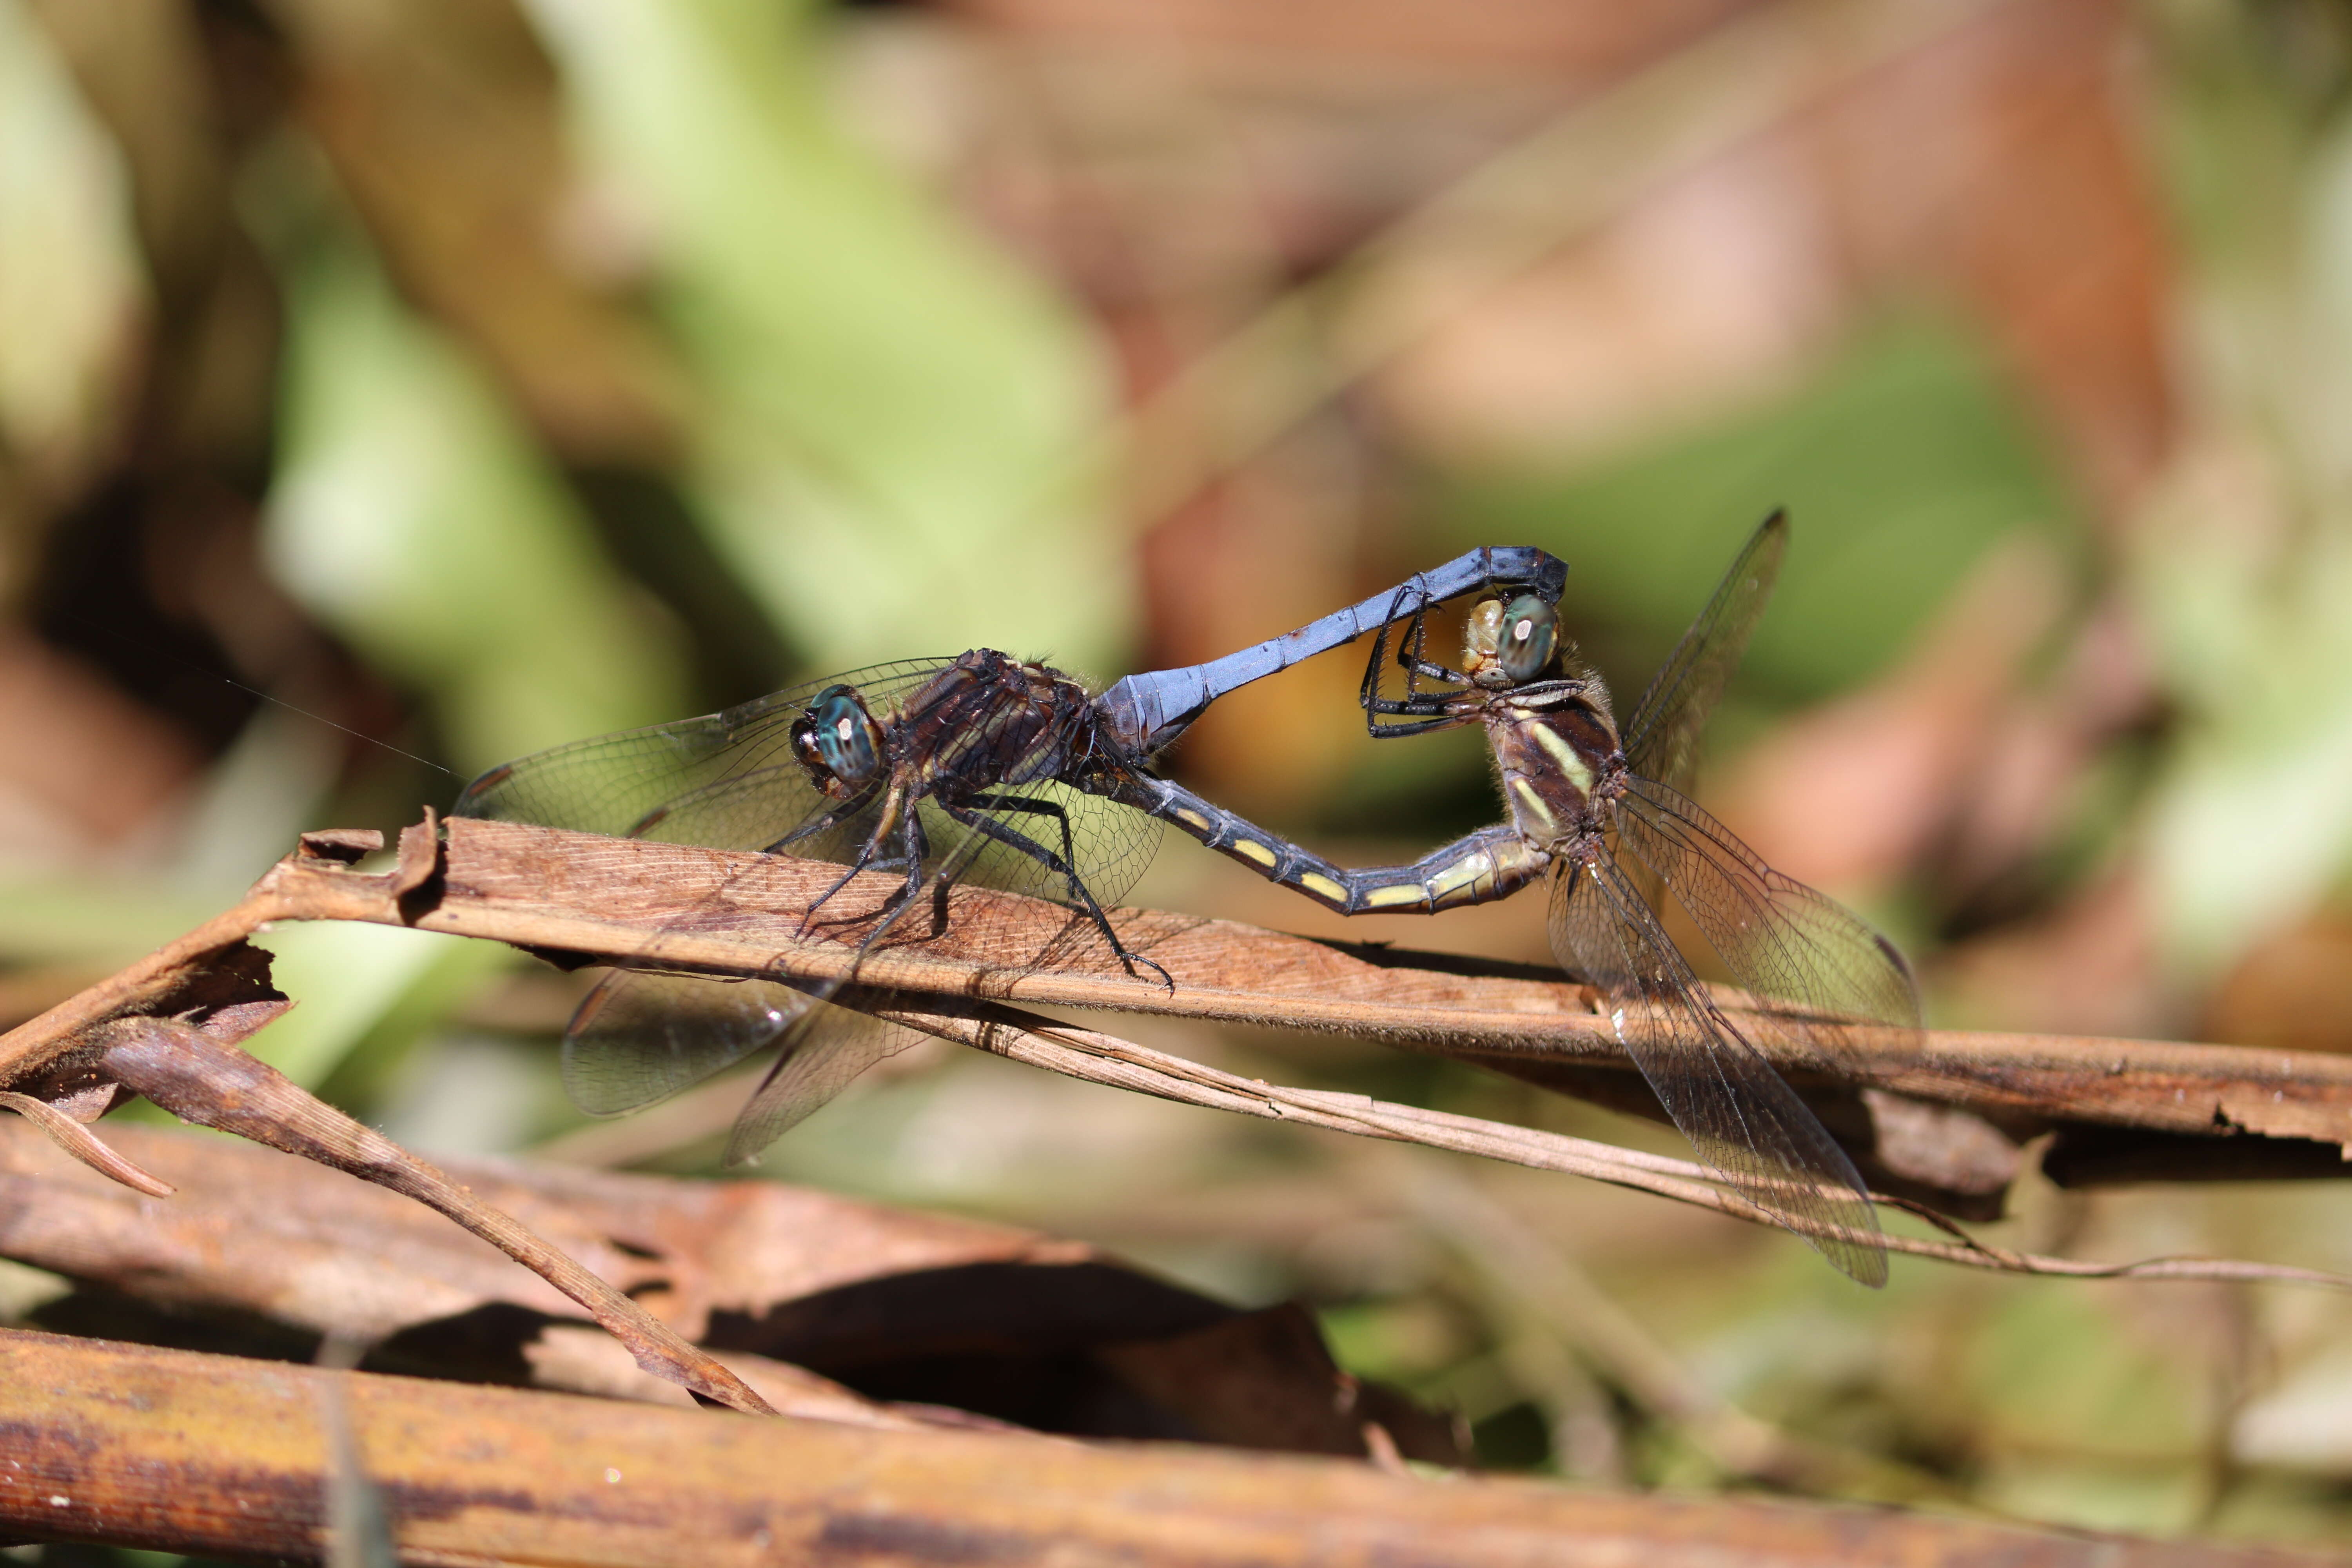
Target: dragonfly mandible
<point>1602,810</point>
<point>981,768</point>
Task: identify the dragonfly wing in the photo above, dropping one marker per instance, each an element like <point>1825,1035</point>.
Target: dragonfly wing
<point>642,1036</point>
<point>825,1050</point>
<point>1781,939</point>
<point>725,781</point>
<point>1038,828</point>
<point>1662,736</point>
<point>1745,1122</point>
<point>612,783</point>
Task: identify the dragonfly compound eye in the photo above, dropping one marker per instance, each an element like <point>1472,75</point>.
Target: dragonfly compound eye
<point>1530,634</point>
<point>837,742</point>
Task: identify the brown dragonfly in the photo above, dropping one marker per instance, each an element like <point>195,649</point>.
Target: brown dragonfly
<point>1602,810</point>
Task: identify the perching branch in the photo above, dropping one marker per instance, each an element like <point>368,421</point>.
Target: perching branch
<point>206,1453</point>
<point>582,898</point>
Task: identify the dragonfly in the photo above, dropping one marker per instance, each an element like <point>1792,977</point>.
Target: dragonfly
<point>1603,811</point>
<point>981,769</point>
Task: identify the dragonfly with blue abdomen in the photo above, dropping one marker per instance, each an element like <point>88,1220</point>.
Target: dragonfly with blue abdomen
<point>981,769</point>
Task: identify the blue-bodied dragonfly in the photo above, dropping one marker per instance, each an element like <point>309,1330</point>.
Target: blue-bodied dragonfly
<point>1603,811</point>
<point>981,769</point>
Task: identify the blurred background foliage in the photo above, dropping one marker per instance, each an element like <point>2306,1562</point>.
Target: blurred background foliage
<point>468,376</point>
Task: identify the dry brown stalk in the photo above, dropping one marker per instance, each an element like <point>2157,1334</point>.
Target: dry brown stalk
<point>602,899</point>
<point>197,1453</point>
<point>201,1080</point>
<point>585,898</point>
<point>775,1280</point>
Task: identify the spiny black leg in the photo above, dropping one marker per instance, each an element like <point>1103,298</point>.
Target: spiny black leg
<point>1391,731</point>
<point>1035,807</point>
<point>1005,834</point>
<point>1409,658</point>
<point>1415,703</point>
<point>913,847</point>
<point>831,819</point>
<point>918,849</point>
<point>1416,663</point>
<point>1066,863</point>
<point>1369,694</point>
<point>865,858</point>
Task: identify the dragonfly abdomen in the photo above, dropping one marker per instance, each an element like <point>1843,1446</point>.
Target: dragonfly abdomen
<point>1491,864</point>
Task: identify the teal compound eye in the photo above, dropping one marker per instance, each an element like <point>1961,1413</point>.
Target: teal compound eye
<point>1531,637</point>
<point>837,741</point>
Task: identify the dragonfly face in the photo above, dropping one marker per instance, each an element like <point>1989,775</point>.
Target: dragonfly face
<point>839,744</point>
<point>1510,645</point>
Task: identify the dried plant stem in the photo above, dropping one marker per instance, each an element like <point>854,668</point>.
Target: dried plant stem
<point>206,1453</point>
<point>1095,1057</point>
<point>730,914</point>
<point>214,1085</point>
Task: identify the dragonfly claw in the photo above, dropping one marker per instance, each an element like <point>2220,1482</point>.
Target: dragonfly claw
<point>1132,959</point>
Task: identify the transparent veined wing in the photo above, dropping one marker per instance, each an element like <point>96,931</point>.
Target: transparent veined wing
<point>724,780</point>
<point>1032,838</point>
<point>990,810</point>
<point>642,1036</point>
<point>1662,735</point>
<point>616,784</point>
<point>828,1050</point>
<point>1742,1118</point>
<point>1782,941</point>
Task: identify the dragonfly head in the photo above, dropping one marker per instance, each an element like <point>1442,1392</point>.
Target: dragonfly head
<point>1507,644</point>
<point>838,742</point>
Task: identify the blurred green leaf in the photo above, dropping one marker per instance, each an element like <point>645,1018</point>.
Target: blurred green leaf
<point>1899,465</point>
<point>69,304</point>
<point>2056,1368</point>
<point>414,513</point>
<point>255,801</point>
<point>891,452</point>
<point>78,916</point>
<point>2253,818</point>
<point>356,984</point>
<point>2243,573</point>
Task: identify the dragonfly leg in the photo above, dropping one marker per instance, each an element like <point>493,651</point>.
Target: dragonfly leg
<point>806,831</point>
<point>1434,707</point>
<point>1414,659</point>
<point>894,814</point>
<point>1005,834</point>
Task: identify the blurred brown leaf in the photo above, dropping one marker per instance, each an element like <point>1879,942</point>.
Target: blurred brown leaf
<point>86,769</point>
<point>933,1309</point>
<point>446,124</point>
<point>2294,991</point>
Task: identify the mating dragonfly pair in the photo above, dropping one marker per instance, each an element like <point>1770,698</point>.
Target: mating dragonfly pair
<point>987,769</point>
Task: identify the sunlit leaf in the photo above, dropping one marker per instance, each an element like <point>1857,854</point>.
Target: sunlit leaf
<point>351,983</point>
<point>892,451</point>
<point>71,286</point>
<point>1899,465</point>
<point>412,512</point>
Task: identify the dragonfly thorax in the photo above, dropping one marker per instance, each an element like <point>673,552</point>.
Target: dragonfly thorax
<point>1556,747</point>
<point>837,742</point>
